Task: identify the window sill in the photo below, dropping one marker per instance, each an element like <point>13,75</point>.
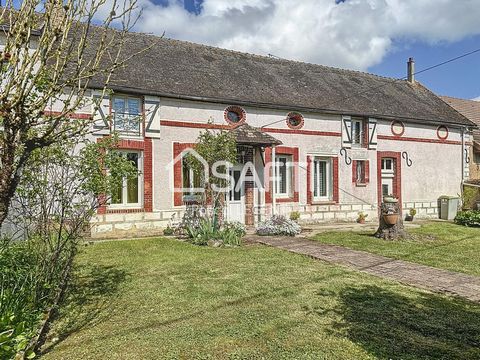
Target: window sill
<point>124,210</point>
<point>325,202</point>
<point>361,184</point>
<point>284,199</point>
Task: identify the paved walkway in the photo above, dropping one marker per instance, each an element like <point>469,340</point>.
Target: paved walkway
<point>413,274</point>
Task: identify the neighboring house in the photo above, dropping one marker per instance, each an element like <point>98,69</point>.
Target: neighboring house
<point>471,110</point>
<point>350,137</point>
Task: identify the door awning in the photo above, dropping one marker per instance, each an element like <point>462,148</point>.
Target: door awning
<point>249,135</point>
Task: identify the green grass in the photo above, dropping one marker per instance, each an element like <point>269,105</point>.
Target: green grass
<point>442,245</point>
<point>163,299</point>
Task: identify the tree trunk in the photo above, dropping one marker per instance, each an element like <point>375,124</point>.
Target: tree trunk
<point>390,232</point>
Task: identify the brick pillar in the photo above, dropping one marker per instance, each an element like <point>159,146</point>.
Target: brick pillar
<point>249,188</point>
<point>249,215</point>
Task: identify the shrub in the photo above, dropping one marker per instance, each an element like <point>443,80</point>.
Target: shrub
<point>294,215</point>
<point>236,226</point>
<point>168,231</point>
<point>412,212</point>
<point>278,225</point>
<point>468,218</point>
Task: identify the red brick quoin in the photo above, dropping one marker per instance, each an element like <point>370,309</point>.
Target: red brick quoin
<point>145,146</point>
<point>397,180</point>
<point>281,150</point>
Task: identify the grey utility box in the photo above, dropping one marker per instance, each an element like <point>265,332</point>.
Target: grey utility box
<point>448,207</point>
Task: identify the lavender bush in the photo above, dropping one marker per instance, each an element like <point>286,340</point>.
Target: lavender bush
<point>278,225</point>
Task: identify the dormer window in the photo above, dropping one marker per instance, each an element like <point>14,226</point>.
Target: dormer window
<point>127,115</point>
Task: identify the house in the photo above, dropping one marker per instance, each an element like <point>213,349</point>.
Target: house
<point>471,110</point>
<point>339,140</point>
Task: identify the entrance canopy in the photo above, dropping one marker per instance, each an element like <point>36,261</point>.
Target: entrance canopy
<point>249,135</point>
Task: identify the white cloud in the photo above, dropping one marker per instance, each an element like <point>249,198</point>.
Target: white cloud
<point>354,34</point>
<point>477,98</point>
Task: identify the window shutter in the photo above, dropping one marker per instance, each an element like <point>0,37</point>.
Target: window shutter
<point>100,112</point>
<point>152,116</point>
<point>346,132</point>
<point>372,133</point>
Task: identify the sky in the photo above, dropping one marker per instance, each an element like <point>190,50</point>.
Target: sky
<point>376,36</point>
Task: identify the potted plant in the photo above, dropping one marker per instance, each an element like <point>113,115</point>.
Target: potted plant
<point>361,217</point>
<point>411,214</point>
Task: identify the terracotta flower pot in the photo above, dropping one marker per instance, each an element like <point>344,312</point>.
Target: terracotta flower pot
<point>361,221</point>
<point>390,219</point>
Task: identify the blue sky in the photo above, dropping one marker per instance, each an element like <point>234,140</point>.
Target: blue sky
<point>460,78</point>
<point>377,36</point>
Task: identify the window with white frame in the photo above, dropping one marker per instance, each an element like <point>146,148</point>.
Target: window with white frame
<point>127,114</point>
<point>191,179</point>
<point>388,174</point>
<point>322,179</point>
<point>129,194</point>
<point>283,172</point>
<point>357,132</point>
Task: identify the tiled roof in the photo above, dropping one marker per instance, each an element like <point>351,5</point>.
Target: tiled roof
<point>249,135</point>
<point>468,108</point>
<point>187,70</point>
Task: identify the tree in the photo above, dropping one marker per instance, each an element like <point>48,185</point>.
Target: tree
<point>217,148</point>
<point>48,60</point>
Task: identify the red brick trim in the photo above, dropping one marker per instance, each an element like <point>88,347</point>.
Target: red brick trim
<point>292,151</point>
<point>336,192</point>
<point>443,127</point>
<point>392,126</point>
<point>366,135</point>
<point>198,125</point>
<point>237,109</point>
<point>302,132</point>
<point>146,147</point>
<point>309,180</point>
<point>397,180</point>
<point>266,175</point>
<point>178,148</point>
<point>79,116</point>
<point>281,150</point>
<point>354,173</point>
<point>434,141</point>
<point>193,125</point>
<point>297,116</point>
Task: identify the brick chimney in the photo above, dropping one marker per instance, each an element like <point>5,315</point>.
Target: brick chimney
<point>411,70</point>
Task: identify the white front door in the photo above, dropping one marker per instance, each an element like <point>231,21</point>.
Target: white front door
<point>236,197</point>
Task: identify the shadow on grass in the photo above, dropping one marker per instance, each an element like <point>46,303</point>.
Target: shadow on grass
<point>393,326</point>
<point>87,298</point>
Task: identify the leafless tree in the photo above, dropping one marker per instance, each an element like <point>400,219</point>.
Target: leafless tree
<point>51,51</point>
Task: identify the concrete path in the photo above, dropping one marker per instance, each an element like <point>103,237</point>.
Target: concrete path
<point>426,277</point>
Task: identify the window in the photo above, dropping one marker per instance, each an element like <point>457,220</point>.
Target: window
<point>192,181</point>
<point>283,171</point>
<point>295,120</point>
<point>361,172</point>
<point>235,115</point>
<point>129,194</point>
<point>357,132</point>
<point>388,174</point>
<point>387,165</point>
<point>322,179</point>
<point>126,113</point>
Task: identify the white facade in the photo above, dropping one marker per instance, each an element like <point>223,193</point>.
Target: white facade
<point>435,168</point>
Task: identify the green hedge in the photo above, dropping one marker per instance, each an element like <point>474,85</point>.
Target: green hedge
<point>468,218</point>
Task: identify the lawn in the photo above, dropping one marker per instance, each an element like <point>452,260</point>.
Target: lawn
<point>163,299</point>
<point>438,244</point>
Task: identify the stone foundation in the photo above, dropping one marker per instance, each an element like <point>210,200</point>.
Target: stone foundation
<point>111,226</point>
